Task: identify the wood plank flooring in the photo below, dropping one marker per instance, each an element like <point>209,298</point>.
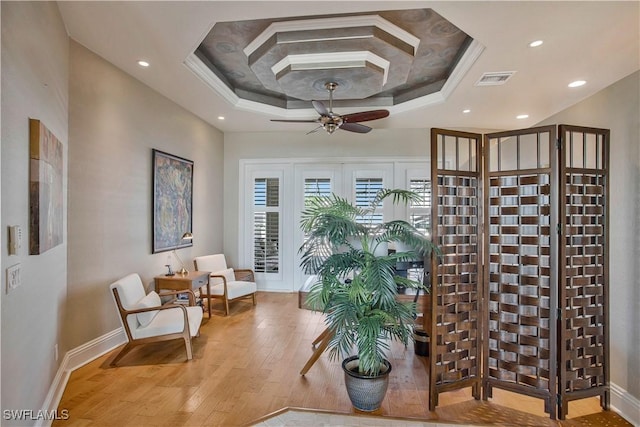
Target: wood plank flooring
<point>247,365</point>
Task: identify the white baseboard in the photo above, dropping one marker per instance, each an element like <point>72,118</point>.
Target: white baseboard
<point>90,351</point>
<point>625,404</point>
<point>75,359</point>
<point>622,401</point>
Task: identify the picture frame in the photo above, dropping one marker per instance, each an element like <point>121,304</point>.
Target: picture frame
<point>46,199</point>
<point>172,201</point>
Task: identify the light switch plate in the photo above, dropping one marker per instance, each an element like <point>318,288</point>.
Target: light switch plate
<point>15,239</point>
<point>13,277</point>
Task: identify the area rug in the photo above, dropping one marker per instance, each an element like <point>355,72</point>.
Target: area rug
<point>299,417</point>
<point>497,417</point>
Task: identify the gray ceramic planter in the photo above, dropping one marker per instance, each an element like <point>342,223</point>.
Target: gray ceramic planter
<point>366,392</point>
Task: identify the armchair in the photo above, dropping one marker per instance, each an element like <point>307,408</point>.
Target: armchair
<point>226,283</point>
<point>145,319</point>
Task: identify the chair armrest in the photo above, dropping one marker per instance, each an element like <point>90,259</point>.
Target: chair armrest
<point>219,276</point>
<point>142,310</point>
<point>127,313</point>
<point>245,275</point>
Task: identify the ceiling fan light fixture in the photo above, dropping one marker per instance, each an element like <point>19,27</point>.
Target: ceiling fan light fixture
<point>330,128</point>
<point>330,121</point>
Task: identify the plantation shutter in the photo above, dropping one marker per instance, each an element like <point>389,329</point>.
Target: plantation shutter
<point>316,187</point>
<point>366,190</point>
<point>420,210</point>
<point>266,225</point>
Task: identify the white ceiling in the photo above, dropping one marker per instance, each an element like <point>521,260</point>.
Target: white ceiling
<point>583,40</point>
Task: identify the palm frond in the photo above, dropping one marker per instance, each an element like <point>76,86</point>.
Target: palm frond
<point>397,195</point>
<point>357,287</point>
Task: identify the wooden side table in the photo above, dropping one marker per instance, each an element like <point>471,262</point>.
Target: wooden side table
<point>192,280</point>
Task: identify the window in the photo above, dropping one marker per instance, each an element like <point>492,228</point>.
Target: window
<point>366,190</point>
<point>274,193</point>
<point>266,225</point>
<point>420,211</point>
<point>316,187</point>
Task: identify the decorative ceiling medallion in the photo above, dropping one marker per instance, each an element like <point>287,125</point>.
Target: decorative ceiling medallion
<point>400,59</point>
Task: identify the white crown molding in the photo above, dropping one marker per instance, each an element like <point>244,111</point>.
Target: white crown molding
<point>210,79</point>
<point>201,70</point>
<point>471,54</point>
<point>330,24</point>
<point>329,60</point>
<point>462,67</point>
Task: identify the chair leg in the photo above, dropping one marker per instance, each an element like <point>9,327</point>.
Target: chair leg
<point>226,307</point>
<point>187,344</point>
<point>254,298</point>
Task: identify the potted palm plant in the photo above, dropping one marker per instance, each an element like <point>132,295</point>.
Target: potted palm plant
<point>357,286</point>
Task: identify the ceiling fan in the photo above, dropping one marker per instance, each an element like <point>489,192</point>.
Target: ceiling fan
<point>331,121</point>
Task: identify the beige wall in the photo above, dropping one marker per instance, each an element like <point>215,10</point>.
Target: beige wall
<point>35,74</point>
<point>115,122</point>
<point>618,108</point>
<point>108,123</point>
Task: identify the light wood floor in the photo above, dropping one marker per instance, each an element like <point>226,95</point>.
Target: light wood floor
<point>247,365</point>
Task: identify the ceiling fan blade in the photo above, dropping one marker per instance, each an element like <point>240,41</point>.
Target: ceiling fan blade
<point>314,130</point>
<point>295,121</point>
<point>364,116</point>
<point>355,127</point>
<point>320,108</point>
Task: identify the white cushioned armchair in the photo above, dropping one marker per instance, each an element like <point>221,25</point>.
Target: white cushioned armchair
<point>146,320</point>
<point>226,283</point>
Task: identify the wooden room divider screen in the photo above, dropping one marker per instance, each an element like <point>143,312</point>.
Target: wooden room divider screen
<point>455,333</point>
<point>520,292</point>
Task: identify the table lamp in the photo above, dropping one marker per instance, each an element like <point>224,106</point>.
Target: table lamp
<point>185,236</point>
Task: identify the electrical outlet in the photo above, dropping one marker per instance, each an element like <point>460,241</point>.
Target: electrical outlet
<point>13,277</point>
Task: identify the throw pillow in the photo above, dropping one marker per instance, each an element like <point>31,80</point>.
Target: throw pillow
<point>152,299</point>
<point>227,273</point>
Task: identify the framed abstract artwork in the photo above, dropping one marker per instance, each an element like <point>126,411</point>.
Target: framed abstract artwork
<point>172,201</point>
<point>46,203</point>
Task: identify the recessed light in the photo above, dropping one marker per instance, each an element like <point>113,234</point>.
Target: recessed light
<point>466,111</point>
<point>143,63</point>
<point>536,43</point>
<point>220,117</point>
<point>577,83</point>
<point>522,116</point>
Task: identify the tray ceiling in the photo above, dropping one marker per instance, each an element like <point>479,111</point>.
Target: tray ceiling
<point>384,57</point>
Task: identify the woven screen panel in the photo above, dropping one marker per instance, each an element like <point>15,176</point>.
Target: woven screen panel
<point>519,279</point>
<point>457,295</point>
<point>584,303</point>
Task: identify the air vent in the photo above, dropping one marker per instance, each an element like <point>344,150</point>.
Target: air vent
<point>494,78</point>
